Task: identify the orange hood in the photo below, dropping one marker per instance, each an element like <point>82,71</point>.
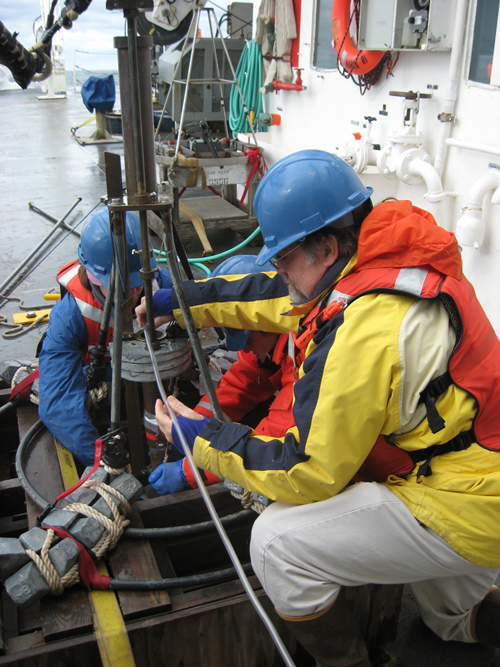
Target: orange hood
<point>396,233</point>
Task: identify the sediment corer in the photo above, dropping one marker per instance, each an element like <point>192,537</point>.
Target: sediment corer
<point>24,583</point>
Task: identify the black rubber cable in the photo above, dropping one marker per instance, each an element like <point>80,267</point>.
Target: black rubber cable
<point>177,582</point>
<point>175,531</point>
<point>8,406</point>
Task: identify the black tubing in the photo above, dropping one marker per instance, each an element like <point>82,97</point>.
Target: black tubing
<point>175,531</point>
<point>21,450</point>
<point>176,582</point>
<point>8,406</point>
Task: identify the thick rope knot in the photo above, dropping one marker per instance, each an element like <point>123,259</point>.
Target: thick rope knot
<point>23,373</point>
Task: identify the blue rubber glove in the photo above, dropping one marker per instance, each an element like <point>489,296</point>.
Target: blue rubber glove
<point>162,304</point>
<point>190,429</point>
<point>169,478</point>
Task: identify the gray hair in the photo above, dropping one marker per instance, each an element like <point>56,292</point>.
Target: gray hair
<point>346,231</point>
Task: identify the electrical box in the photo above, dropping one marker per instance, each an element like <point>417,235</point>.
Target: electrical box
<point>239,20</point>
<point>207,99</point>
<point>396,25</point>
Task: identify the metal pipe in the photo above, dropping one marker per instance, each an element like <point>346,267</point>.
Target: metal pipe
<point>175,274</point>
<point>472,146</point>
<point>34,208</point>
<point>135,100</point>
<point>145,105</point>
<point>195,21</point>
<point>119,234</point>
<point>59,223</point>
<point>116,378</point>
<point>447,115</point>
<point>147,274</point>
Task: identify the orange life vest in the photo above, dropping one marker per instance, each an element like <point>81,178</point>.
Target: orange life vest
<point>88,305</point>
<point>474,364</point>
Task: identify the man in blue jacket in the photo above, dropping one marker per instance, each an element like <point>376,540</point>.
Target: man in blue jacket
<point>74,326</point>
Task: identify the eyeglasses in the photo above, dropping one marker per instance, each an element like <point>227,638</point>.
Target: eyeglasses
<point>276,260</point>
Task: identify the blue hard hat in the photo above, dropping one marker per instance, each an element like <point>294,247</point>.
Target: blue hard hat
<point>238,264</point>
<point>95,250</point>
<point>302,193</point>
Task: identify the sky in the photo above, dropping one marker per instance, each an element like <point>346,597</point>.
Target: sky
<point>89,43</point>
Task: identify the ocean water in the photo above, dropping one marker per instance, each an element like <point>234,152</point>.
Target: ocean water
<point>75,79</point>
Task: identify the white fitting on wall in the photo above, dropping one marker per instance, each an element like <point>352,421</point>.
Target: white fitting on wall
<point>470,226</point>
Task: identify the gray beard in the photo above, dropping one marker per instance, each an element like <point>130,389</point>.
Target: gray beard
<point>296,296</point>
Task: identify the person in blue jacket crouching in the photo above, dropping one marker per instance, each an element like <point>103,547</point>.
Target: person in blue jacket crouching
<point>73,331</point>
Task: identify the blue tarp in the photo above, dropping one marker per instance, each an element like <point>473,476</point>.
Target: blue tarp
<point>98,93</point>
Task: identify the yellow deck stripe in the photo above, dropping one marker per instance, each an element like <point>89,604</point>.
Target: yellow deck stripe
<point>109,626</point>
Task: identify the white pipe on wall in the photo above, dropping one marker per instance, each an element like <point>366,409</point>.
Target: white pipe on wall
<point>470,227</point>
<point>429,175</point>
<point>469,145</point>
<point>453,76</point>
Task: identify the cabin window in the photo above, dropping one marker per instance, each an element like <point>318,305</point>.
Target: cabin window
<point>483,54</point>
<point>323,53</point>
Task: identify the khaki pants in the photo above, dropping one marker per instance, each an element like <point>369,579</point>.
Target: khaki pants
<point>303,554</point>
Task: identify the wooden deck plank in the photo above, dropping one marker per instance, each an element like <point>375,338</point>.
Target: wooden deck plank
<point>66,615</point>
<point>212,208</point>
<point>187,233</point>
<point>134,559</point>
<point>40,464</point>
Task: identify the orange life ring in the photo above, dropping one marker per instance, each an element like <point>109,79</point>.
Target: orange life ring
<point>352,59</point>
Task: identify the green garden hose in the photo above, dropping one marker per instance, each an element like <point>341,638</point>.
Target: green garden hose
<point>249,76</point>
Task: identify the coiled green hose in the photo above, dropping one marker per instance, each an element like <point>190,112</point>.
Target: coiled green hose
<point>249,76</point>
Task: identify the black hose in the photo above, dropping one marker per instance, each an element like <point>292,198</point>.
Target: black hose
<point>175,531</point>
<point>21,450</point>
<point>176,582</point>
<point>8,406</point>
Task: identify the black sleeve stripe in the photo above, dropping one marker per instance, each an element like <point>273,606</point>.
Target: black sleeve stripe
<point>253,287</point>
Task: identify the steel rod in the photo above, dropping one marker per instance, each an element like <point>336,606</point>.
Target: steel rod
<point>51,218</point>
<point>135,100</point>
<point>25,261</point>
<point>173,266</point>
<point>196,21</point>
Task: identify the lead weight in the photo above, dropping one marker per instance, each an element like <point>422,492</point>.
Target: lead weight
<point>34,539</point>
<point>28,585</point>
<point>12,556</point>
